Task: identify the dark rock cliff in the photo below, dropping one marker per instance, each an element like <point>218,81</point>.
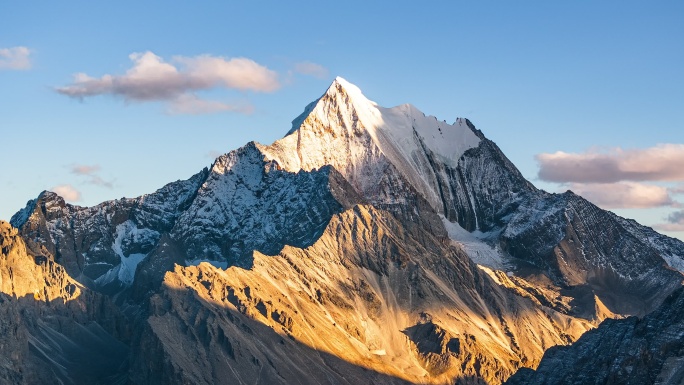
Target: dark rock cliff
<point>629,351</point>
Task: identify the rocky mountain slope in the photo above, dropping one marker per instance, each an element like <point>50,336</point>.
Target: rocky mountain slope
<point>54,329</point>
<point>101,246</point>
<point>474,186</point>
<point>628,351</point>
<point>390,305</point>
<point>376,243</point>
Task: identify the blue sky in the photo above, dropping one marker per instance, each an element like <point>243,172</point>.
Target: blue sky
<point>600,81</point>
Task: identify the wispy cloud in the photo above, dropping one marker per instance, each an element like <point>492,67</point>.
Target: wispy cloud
<point>311,69</point>
<point>68,192</point>
<point>91,174</point>
<point>677,190</point>
<point>15,58</point>
<point>193,105</point>
<point>213,154</point>
<point>624,195</point>
<point>151,78</point>
<point>614,178</point>
<point>82,169</point>
<point>663,162</point>
<point>675,222</point>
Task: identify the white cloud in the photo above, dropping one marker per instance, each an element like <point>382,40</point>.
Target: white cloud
<point>311,69</point>
<point>237,73</point>
<point>191,104</point>
<point>91,173</point>
<point>624,195</point>
<point>153,79</point>
<point>675,222</point>
<point>15,58</point>
<point>663,162</point>
<point>68,192</point>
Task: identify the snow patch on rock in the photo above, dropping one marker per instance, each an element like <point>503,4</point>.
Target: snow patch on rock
<point>674,261</point>
<point>127,232</point>
<point>478,250</point>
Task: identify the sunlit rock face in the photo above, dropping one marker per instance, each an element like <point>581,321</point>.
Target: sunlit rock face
<point>368,245</point>
<point>54,329</point>
<point>387,304</point>
<point>392,154</point>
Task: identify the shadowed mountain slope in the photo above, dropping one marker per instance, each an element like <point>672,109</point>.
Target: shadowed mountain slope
<point>368,292</point>
<point>53,328</point>
<point>377,243</point>
<point>628,351</point>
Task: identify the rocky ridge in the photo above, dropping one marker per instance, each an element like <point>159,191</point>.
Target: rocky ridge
<point>474,186</point>
<point>55,330</point>
<point>394,307</point>
<point>359,218</point>
<point>649,350</point>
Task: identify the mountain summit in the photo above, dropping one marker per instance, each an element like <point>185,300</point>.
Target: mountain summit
<point>368,245</point>
<point>390,154</point>
<point>361,139</point>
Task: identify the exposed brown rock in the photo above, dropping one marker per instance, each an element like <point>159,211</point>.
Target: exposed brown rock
<point>52,328</point>
<point>340,266</point>
<point>361,293</point>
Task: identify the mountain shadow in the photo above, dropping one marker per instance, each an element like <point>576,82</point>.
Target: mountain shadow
<point>629,351</point>
<point>53,329</point>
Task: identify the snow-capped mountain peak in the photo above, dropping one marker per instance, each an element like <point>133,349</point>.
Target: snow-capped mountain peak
<point>341,228</point>
<point>342,85</point>
<point>402,127</point>
<point>361,139</point>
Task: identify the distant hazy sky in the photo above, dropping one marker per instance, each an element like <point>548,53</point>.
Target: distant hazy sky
<point>590,91</point>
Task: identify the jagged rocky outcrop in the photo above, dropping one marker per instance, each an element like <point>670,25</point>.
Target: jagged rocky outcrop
<point>580,245</point>
<point>53,329</point>
<point>398,159</point>
<point>248,204</point>
<point>635,351</point>
<point>102,245</point>
<point>561,237</point>
<point>368,302</point>
<point>243,203</point>
<point>369,245</point>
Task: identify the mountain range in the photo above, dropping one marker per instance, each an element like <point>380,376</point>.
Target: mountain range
<point>369,245</point>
